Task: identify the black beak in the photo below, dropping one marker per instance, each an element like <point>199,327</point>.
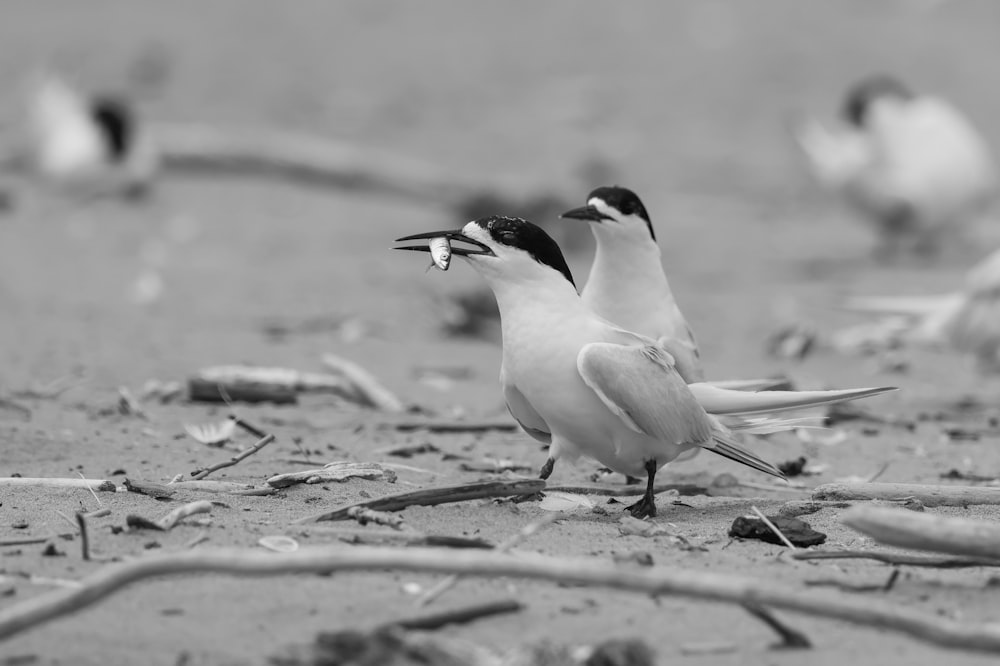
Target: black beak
<point>588,213</point>
<point>454,235</point>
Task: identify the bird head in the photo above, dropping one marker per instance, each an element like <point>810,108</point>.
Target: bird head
<point>506,249</point>
<point>615,211</point>
<point>868,94</point>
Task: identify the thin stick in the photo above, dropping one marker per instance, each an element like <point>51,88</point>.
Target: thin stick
<point>81,520</point>
<point>102,485</point>
<point>264,441</point>
<point>434,496</point>
<point>68,520</point>
<point>790,638</point>
<point>900,559</point>
<point>505,425</point>
<point>180,513</point>
<point>929,495</point>
<point>223,487</point>
<point>27,541</point>
<point>774,528</point>
<point>504,546</point>
<point>699,584</point>
<point>91,489</point>
<point>369,389</point>
<point>249,427</point>
<point>458,615</point>
<point>940,534</point>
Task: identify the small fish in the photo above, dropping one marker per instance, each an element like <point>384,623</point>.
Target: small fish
<point>440,252</point>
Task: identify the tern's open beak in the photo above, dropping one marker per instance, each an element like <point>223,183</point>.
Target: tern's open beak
<point>588,213</point>
<point>452,236</point>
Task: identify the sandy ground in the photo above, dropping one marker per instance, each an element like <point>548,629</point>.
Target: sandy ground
<point>684,102</point>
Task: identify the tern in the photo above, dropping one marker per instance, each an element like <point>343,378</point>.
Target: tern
<point>913,165</point>
<point>72,139</point>
<point>585,386</point>
<point>627,284</point>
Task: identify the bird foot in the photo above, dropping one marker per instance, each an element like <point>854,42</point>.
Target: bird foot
<point>644,508</point>
<point>546,470</point>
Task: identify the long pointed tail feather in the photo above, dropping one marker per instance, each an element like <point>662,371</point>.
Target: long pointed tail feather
<point>726,447</point>
<point>722,401</point>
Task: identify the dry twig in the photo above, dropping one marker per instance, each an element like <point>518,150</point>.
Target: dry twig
<point>264,441</point>
<point>458,615</point>
<point>790,638</point>
<point>921,531</point>
<point>897,559</point>
<point>369,391</point>
<point>434,496</point>
<point>81,520</point>
<point>167,522</point>
<point>774,528</point>
<point>929,495</point>
<point>698,584</point>
<point>102,485</point>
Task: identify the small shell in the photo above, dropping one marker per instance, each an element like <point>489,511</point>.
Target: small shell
<point>212,434</point>
<point>279,544</point>
<point>440,252</point>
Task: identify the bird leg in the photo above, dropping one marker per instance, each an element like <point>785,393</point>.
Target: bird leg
<point>646,507</point>
<point>546,470</point>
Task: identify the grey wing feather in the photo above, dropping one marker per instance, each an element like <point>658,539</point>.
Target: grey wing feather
<point>641,386</point>
<point>522,411</point>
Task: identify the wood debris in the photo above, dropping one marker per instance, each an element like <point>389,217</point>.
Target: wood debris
<point>338,471</point>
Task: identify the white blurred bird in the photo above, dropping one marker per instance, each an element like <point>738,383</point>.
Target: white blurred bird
<point>912,165</point>
<point>628,286</point>
<point>967,321</point>
<point>587,387</point>
<point>94,143</point>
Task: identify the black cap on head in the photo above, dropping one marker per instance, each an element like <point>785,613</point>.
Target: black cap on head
<point>515,232</point>
<point>862,94</point>
<point>117,123</point>
<point>624,200</point>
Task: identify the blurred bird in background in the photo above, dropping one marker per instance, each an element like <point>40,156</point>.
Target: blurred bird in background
<point>88,144</point>
<point>910,164</point>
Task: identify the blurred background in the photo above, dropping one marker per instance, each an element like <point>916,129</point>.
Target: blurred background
<point>687,103</point>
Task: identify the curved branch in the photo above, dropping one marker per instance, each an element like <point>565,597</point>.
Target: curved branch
<point>660,580</point>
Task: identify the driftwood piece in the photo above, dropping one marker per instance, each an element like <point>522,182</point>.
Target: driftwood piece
<point>434,496</point>
<point>154,490</point>
<point>368,390</point>
<point>224,487</point>
<point>503,425</point>
<point>371,535</point>
<point>690,583</point>
<point>201,474</point>
<point>338,471</point>
<point>27,541</point>
<point>308,160</point>
<point>462,615</point>
<point>929,495</point>
<point>44,482</point>
<point>953,535</point>
<point>897,559</point>
<point>167,522</point>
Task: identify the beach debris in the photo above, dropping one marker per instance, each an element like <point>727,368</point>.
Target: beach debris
<point>212,434</point>
<point>338,471</point>
<point>167,522</point>
<point>561,501</point>
<point>279,543</point>
<point>434,496</point>
<point>797,532</point>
